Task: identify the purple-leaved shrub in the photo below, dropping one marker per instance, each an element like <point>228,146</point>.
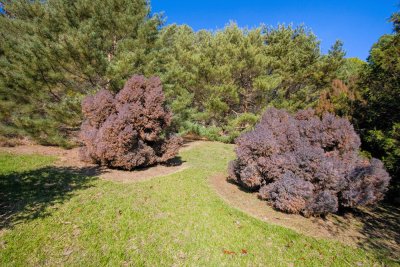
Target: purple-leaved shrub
<point>129,129</point>
<point>306,164</point>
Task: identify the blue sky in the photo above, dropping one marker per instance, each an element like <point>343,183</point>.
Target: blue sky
<point>357,23</point>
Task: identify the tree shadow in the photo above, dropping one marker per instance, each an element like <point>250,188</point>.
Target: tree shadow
<point>381,228</point>
<point>377,228</point>
<point>25,196</point>
<point>174,162</point>
<point>177,161</point>
<point>243,188</point>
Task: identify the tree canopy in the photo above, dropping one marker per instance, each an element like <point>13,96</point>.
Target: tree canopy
<point>378,115</point>
<point>53,53</point>
<point>223,80</point>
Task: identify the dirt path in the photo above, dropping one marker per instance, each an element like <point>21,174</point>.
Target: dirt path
<point>376,228</point>
<point>70,158</point>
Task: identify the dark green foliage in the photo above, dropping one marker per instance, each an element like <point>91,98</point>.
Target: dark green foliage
<point>53,53</point>
<point>218,83</point>
<point>341,97</point>
<point>378,115</point>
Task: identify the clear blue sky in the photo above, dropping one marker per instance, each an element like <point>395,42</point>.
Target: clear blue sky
<point>357,23</point>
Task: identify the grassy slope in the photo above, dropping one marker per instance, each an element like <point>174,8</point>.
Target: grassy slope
<point>171,220</point>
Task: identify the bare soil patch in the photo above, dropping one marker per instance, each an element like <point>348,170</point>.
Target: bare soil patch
<point>376,228</point>
<point>70,158</point>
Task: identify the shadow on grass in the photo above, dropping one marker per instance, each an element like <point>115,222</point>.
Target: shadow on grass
<point>177,161</point>
<point>379,227</point>
<point>174,162</point>
<point>382,229</point>
<point>376,229</point>
<point>25,195</point>
<point>243,188</point>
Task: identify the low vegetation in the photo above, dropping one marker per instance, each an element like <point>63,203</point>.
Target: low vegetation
<point>306,164</point>
<point>172,220</point>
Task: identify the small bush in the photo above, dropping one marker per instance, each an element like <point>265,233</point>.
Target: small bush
<point>306,164</point>
<point>129,129</point>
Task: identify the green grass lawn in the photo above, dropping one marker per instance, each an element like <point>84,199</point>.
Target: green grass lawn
<point>57,216</point>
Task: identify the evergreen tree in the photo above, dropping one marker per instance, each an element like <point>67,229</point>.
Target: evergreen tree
<point>378,116</point>
<point>218,83</point>
<point>53,53</point>
<point>343,94</point>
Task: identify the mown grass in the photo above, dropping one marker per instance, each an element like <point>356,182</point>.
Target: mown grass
<point>171,220</point>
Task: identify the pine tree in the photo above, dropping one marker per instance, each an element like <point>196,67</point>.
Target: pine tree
<point>218,83</point>
<point>378,115</point>
<point>55,52</point>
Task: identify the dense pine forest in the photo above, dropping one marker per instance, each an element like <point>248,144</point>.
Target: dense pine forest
<point>217,83</point>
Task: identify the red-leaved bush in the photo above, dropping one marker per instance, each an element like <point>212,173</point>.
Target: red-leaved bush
<point>129,129</point>
<point>306,164</point>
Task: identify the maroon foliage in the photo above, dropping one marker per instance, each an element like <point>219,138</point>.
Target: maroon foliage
<point>306,164</point>
<point>129,129</point>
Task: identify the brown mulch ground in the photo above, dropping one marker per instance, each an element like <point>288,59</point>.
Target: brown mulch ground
<point>375,228</point>
<point>70,158</point>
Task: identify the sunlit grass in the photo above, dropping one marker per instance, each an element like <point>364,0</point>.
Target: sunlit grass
<point>170,220</point>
